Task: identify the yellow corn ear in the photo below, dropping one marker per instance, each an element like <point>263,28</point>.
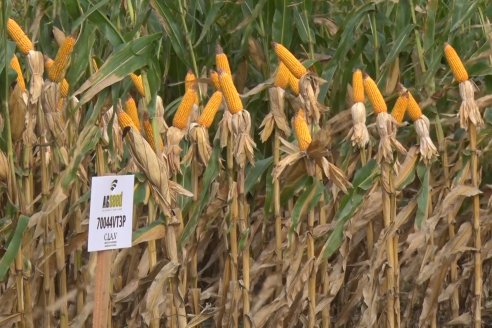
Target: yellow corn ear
<point>56,72</point>
<point>138,83</point>
<point>208,114</point>
<point>59,105</point>
<point>374,95</point>
<point>64,87</point>
<point>14,63</point>
<point>230,93</point>
<point>289,60</point>
<point>132,111</point>
<point>400,107</point>
<point>124,120</point>
<point>221,61</point>
<point>294,84</point>
<point>190,82</point>
<point>180,119</point>
<point>301,129</point>
<point>19,37</point>
<point>414,110</point>
<point>357,86</point>
<point>156,145</point>
<point>282,76</point>
<point>455,63</point>
<point>214,76</point>
<point>190,79</point>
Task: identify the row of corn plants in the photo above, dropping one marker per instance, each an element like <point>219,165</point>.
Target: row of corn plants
<point>273,187</point>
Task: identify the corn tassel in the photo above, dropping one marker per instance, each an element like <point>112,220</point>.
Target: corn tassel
<point>400,107</point>
<point>294,84</point>
<point>124,120</point>
<point>282,76</point>
<point>289,60</point>
<point>20,38</point>
<point>214,76</point>
<point>231,96</point>
<point>138,83</point>
<point>301,128</point>
<point>56,72</point>
<point>221,61</point>
<point>455,63</point>
<point>374,95</point>
<point>156,145</point>
<point>208,114</point>
<point>132,111</point>
<point>14,63</point>
<point>414,110</point>
<point>357,86</point>
<point>180,119</point>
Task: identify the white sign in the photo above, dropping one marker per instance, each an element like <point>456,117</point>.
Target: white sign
<point>110,219</point>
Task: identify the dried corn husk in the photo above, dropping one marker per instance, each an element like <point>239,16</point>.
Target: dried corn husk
<point>4,167</point>
<point>427,148</point>
<point>469,111</point>
<point>115,131</point>
<point>17,112</point>
<point>225,127</point>
<point>154,169</point>
<point>244,147</point>
<point>54,119</point>
<point>276,117</point>
<point>358,132</point>
<point>36,65</point>
<point>309,90</point>
<point>199,137</point>
<point>173,150</point>
<point>386,126</point>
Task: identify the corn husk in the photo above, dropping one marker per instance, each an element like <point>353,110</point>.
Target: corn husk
<point>17,113</point>
<point>4,167</point>
<point>116,132</point>
<point>276,117</point>
<point>386,126</point>
<point>428,150</point>
<point>469,111</point>
<point>199,137</point>
<point>153,167</point>
<point>54,118</point>
<point>358,133</point>
<point>308,92</point>
<point>59,36</point>
<point>159,116</point>
<point>225,127</point>
<point>244,147</point>
<point>173,150</point>
<point>36,66</point>
<point>312,158</point>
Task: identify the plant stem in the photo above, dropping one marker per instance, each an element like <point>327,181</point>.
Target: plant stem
<point>395,250</point>
<point>477,308</point>
<point>390,270</point>
<point>188,38</point>
<point>276,204</point>
<point>195,292</point>
<point>244,227</point>
<point>233,212</point>
<point>312,276</point>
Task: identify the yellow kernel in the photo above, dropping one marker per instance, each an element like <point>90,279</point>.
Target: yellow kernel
<point>292,63</point>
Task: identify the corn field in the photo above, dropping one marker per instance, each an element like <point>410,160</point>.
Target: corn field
<point>297,164</point>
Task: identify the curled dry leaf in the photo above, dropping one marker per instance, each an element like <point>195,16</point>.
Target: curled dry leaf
<point>309,89</point>
<point>17,113</point>
<point>4,167</point>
